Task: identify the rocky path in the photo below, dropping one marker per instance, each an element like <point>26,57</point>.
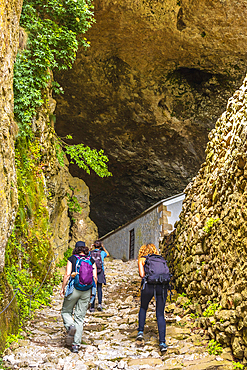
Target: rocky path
<point>109,336</point>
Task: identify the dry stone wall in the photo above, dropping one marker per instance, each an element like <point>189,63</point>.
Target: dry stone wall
<point>210,249</point>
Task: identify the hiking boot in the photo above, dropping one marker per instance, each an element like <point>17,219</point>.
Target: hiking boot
<point>91,309</point>
<point>70,335</point>
<point>139,335</point>
<point>75,348</point>
<point>163,347</point>
<point>99,308</point>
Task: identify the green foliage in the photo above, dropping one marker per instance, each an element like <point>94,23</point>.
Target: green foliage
<point>73,204</point>
<point>52,27</point>
<point>13,338</point>
<point>87,158</point>
<point>23,278</point>
<point>67,254</point>
<point>187,303</point>
<point>84,157</point>
<point>214,348</point>
<point>194,316</point>
<point>209,224</point>
<point>3,365</point>
<point>237,365</point>
<point>59,154</point>
<point>40,292</point>
<point>210,311</point>
<point>28,252</point>
<point>182,295</point>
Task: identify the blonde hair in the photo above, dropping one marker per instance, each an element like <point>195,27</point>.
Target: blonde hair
<point>147,249</point>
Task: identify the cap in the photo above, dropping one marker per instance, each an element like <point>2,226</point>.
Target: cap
<point>80,244</point>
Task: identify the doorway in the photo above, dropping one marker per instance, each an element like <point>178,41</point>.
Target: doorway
<point>132,245</point>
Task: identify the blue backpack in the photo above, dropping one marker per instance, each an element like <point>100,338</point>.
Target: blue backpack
<point>84,277</point>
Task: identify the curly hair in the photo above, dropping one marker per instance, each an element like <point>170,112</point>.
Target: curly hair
<point>80,247</point>
<point>147,249</point>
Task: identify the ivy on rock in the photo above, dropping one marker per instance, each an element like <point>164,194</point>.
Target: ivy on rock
<point>52,28</point>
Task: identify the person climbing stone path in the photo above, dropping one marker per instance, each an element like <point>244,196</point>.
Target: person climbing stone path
<point>80,272</point>
<point>108,340</point>
<point>99,253</point>
<point>153,269</point>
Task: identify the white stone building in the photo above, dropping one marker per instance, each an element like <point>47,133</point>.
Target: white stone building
<point>149,227</point>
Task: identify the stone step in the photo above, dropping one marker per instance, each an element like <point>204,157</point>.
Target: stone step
<point>109,336</point>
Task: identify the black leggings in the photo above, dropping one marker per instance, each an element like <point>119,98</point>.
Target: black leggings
<point>99,292</point>
<point>146,295</point>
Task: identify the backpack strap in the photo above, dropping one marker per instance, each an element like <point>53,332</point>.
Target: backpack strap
<point>155,295</point>
<point>81,258</point>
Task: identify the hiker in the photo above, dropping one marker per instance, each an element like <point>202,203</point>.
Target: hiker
<point>99,253</point>
<point>80,271</point>
<point>153,288</point>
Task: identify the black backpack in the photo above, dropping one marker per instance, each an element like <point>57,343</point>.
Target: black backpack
<point>156,270</point>
<point>98,260</point>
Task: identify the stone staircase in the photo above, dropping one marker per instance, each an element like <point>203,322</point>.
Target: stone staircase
<point>109,336</point>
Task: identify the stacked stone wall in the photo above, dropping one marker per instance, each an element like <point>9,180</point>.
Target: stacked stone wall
<point>211,237</point>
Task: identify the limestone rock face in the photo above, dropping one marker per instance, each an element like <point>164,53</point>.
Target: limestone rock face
<point>210,247</point>
<point>9,39</point>
<point>56,178</point>
<point>67,227</point>
<point>149,89</point>
<point>83,228</point>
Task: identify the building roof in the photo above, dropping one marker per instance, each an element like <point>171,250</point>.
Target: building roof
<point>165,202</point>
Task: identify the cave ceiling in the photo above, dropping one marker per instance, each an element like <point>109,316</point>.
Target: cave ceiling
<point>149,89</point>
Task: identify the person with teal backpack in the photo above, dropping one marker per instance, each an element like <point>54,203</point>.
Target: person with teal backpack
<point>80,272</point>
<point>99,253</point>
